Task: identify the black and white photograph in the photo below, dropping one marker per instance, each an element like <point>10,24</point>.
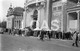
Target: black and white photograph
<point>39,25</point>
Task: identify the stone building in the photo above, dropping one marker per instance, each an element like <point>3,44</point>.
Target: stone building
<point>73,18</point>
<point>35,10</point>
<point>18,17</point>
<point>14,17</point>
<point>58,14</point>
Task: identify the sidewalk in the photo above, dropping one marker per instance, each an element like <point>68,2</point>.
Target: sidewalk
<point>0,42</point>
<point>61,41</point>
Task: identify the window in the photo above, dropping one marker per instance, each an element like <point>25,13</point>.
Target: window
<point>35,15</point>
<point>54,8</point>
<point>19,24</point>
<point>34,25</point>
<point>59,8</point>
<point>15,23</point>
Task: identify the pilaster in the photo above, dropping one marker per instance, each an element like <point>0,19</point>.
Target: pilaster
<point>78,20</point>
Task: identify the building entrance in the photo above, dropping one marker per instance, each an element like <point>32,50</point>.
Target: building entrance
<point>72,22</point>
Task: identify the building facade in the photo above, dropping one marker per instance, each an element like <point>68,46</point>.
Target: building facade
<point>10,17</point>
<point>73,18</point>
<point>18,22</point>
<point>59,12</point>
<point>52,14</point>
<point>36,11</point>
<point>14,18</point>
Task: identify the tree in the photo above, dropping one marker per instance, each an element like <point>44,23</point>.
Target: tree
<point>0,24</point>
<point>3,24</point>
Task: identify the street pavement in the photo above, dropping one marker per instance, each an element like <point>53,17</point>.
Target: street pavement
<point>19,43</point>
<point>0,42</point>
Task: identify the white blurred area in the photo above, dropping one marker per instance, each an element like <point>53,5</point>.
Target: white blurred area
<point>1,10</point>
<point>5,4</point>
<point>64,0</point>
<point>0,42</point>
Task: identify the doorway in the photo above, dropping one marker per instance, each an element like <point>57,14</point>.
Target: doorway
<point>72,21</point>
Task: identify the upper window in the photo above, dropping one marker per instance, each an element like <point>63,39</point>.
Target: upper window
<point>54,8</point>
<point>59,8</point>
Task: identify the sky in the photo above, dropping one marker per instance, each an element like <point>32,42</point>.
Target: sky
<point>4,5</point>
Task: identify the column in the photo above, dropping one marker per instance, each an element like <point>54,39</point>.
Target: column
<point>78,21</point>
<point>24,17</point>
<point>17,24</point>
<point>67,22</point>
<point>38,18</point>
<point>47,9</point>
<point>62,23</point>
<point>14,24</point>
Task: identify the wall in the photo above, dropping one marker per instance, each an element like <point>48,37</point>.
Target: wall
<point>58,14</point>
<point>9,22</point>
<point>28,18</point>
<point>44,14</point>
<point>66,7</point>
<point>70,4</point>
<point>41,16</point>
<point>64,17</point>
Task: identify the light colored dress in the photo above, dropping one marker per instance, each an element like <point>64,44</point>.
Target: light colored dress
<point>79,37</point>
<point>74,38</point>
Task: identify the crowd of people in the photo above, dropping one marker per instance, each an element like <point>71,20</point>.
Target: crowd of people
<point>49,34</point>
<point>54,34</point>
<point>36,33</point>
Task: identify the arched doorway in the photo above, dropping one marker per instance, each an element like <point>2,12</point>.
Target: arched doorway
<point>35,18</point>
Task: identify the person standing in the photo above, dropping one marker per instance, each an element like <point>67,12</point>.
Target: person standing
<point>41,35</point>
<point>75,39</point>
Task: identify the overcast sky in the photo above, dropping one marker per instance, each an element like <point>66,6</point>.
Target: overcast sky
<point>4,5</point>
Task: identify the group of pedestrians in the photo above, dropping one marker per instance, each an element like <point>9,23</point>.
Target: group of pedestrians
<point>54,34</point>
<point>15,32</point>
<point>44,34</point>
